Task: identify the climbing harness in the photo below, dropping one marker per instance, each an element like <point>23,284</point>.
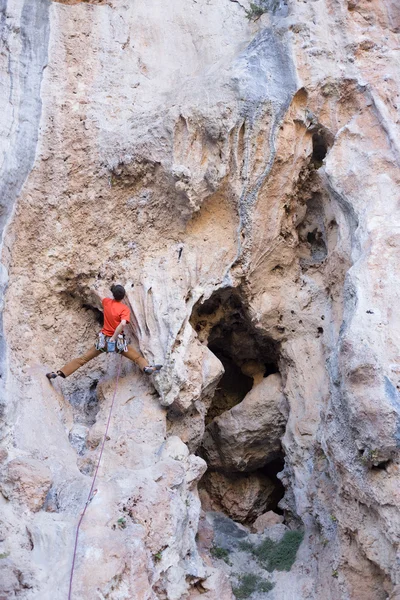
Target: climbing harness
<point>101,341</point>
<point>105,344</point>
<point>92,491</point>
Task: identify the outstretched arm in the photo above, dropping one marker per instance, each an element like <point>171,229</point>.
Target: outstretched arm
<point>98,292</point>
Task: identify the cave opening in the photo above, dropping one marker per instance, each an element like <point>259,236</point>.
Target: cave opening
<point>320,147</point>
<point>97,313</point>
<point>79,300</point>
<point>271,470</point>
<point>247,355</point>
<point>322,141</point>
<point>232,388</point>
<point>250,357</point>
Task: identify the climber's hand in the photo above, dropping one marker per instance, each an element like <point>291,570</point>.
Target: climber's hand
<point>99,290</point>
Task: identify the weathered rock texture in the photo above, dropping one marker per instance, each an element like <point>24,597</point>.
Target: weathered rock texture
<point>244,497</point>
<point>247,436</point>
<point>182,150</point>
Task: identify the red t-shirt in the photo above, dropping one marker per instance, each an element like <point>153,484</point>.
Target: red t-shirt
<point>114,313</point>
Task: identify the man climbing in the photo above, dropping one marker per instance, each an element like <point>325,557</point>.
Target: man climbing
<point>111,338</point>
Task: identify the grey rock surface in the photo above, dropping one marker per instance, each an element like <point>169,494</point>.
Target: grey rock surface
<point>248,436</point>
<point>183,149</point>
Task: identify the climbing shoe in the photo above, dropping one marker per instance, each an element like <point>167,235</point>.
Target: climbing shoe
<point>53,375</point>
<point>152,369</point>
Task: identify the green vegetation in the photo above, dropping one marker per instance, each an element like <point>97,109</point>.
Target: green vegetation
<point>247,547</point>
<point>255,12</point>
<point>265,551</point>
<point>121,523</point>
<point>281,555</point>
<point>265,586</point>
<point>4,555</point>
<point>221,553</point>
<point>250,583</point>
<point>278,556</point>
<point>369,456</point>
<point>157,557</point>
<point>258,9</point>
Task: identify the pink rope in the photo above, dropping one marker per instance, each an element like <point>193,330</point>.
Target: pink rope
<point>93,493</point>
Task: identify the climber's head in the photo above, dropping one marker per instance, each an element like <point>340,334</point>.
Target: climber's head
<point>118,291</point>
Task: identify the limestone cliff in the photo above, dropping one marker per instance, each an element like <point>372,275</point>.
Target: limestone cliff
<point>237,169</point>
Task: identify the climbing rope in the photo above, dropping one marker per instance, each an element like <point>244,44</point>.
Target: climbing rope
<point>93,492</point>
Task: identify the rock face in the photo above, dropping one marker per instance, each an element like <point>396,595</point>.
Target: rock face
<point>248,436</point>
<point>243,497</point>
<point>240,178</point>
<point>26,481</point>
<point>266,520</point>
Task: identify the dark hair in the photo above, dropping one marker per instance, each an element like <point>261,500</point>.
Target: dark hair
<point>118,291</point>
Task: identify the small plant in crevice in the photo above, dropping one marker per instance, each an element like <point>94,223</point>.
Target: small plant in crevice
<point>120,524</point>
<point>255,12</point>
<point>221,553</point>
<point>250,583</point>
<point>158,556</point>
<point>279,556</point>
<point>4,555</point>
<point>369,457</point>
<point>258,9</point>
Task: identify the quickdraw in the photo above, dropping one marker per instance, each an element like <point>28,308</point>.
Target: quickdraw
<point>122,344</point>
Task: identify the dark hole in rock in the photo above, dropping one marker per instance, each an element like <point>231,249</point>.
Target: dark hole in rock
<point>270,368</point>
<point>249,356</point>
<point>271,470</point>
<point>232,387</point>
<point>382,465</point>
<point>320,147</point>
<point>312,236</point>
<point>98,314</point>
<point>277,269</point>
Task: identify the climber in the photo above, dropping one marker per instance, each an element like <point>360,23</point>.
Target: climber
<point>111,338</point>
